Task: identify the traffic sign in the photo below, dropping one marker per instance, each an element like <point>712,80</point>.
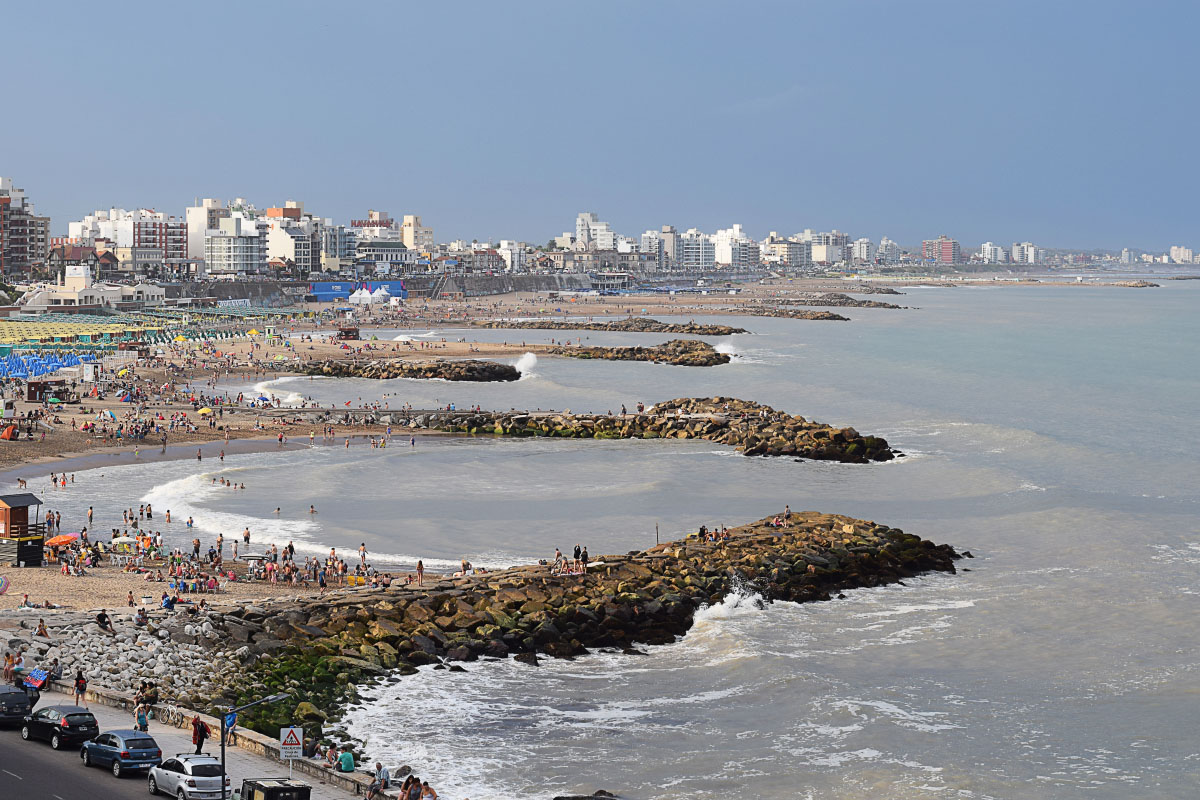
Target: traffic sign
<point>291,743</point>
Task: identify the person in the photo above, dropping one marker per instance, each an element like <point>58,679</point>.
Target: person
<point>54,671</point>
<point>142,717</point>
<point>379,781</point>
<point>427,791</point>
<point>414,789</point>
<point>9,661</point>
<point>362,553</point>
<point>420,573</point>
<point>25,602</point>
<point>129,600</point>
<point>141,619</point>
<point>331,756</point>
<point>583,559</point>
<point>104,622</point>
<point>575,564</point>
<point>80,689</point>
<point>345,762</point>
<point>200,733</point>
<point>41,630</point>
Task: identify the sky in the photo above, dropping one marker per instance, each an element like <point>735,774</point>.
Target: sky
<point>1069,124</point>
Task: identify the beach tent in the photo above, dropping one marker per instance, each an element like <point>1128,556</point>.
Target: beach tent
<point>10,433</point>
<point>361,297</point>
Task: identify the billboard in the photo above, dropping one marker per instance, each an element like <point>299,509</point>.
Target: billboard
<point>325,291</point>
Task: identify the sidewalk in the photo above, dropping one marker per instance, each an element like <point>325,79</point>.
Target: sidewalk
<point>239,763</point>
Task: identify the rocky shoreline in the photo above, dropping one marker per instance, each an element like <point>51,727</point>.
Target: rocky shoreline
<point>445,369</point>
<point>626,325</point>
<point>677,352</point>
<point>752,428</point>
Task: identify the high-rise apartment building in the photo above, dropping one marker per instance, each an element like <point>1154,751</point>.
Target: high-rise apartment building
<point>863,251</point>
<point>670,238</point>
<point>592,234</point>
<point>788,253</point>
<point>651,244</point>
<point>734,249</point>
<point>695,251</point>
<point>199,219</point>
<point>888,252</point>
<point>1026,253</point>
<point>1181,255</point>
<point>991,253</point>
<point>24,236</point>
<point>943,250</point>
<point>155,236</point>
<point>235,246</point>
<point>1127,256</point>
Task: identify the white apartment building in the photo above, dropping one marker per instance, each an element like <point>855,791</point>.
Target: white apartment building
<point>651,243</point>
<point>199,219</point>
<point>1181,255</point>
<point>1026,253</point>
<point>513,254</point>
<point>592,234</point>
<point>888,252</point>
<point>863,251</point>
<point>733,248</point>
<point>415,235</point>
<point>991,253</point>
<point>235,247</point>
<point>1127,256</point>
<point>158,238</point>
<point>694,250</point>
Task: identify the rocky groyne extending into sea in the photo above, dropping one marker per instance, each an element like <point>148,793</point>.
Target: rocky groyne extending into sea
<point>445,369</point>
<point>322,650</point>
<point>835,299</point>
<point>795,313</point>
<point>752,428</point>
<point>677,352</point>
<point>626,325</point>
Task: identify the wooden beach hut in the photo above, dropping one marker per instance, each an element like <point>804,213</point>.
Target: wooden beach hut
<point>20,538</point>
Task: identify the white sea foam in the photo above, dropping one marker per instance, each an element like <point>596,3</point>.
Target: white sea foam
<point>525,365</point>
<point>267,389</point>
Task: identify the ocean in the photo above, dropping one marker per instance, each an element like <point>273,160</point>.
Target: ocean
<point>1051,431</point>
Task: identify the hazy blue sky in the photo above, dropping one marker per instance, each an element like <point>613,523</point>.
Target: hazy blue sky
<point>1066,123</point>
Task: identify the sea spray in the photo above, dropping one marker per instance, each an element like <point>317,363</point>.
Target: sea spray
<point>726,348</point>
<point>525,365</point>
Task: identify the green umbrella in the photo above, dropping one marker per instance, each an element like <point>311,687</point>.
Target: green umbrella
<point>54,400</point>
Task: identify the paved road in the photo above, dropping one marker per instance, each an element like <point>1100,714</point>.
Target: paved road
<point>33,770</point>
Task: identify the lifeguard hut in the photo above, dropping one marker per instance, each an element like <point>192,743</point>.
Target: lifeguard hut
<point>272,334</point>
<point>20,539</point>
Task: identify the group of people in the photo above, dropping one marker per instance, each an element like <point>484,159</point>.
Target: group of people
<point>576,565</point>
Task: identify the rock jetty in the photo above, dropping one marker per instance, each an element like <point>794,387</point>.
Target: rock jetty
<point>1136,285</point>
<point>797,313</point>
<point>677,352</point>
<point>752,428</point>
<point>627,325</point>
<point>446,369</point>
<point>835,299</point>
<point>321,650</point>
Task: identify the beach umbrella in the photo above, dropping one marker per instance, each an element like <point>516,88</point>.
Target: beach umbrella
<point>181,338</point>
<point>54,400</point>
<point>62,538</point>
<point>122,372</point>
<point>4,584</point>
<point>124,540</point>
<point>204,411</point>
<point>252,332</point>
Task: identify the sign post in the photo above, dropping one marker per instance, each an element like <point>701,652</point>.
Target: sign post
<point>291,745</point>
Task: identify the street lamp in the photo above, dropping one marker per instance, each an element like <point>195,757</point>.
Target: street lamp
<point>275,698</point>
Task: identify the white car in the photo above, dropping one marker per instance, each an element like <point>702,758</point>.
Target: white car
<point>188,777</point>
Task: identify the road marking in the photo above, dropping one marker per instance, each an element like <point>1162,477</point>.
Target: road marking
<point>15,775</point>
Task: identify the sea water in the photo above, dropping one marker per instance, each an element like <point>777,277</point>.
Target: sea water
<point>1050,431</point>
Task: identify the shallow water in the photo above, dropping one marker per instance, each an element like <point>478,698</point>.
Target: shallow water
<point>1051,431</point>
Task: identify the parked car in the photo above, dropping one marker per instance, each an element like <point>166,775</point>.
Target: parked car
<point>14,704</point>
<point>121,750</point>
<point>188,777</point>
<point>60,725</point>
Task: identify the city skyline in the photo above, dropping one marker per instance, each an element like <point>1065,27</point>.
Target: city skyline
<point>501,123</point>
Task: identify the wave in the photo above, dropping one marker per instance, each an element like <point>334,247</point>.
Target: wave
<point>267,388</point>
<point>525,365</point>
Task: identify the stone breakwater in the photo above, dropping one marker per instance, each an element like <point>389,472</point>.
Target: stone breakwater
<point>752,428</point>
<point>796,313</point>
<point>446,369</point>
<point>678,352</point>
<point>627,325</point>
<point>323,649</point>
<point>835,299</point>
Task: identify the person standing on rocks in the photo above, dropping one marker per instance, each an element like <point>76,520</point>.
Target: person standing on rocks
<point>575,563</point>
<point>200,733</point>
<point>420,573</point>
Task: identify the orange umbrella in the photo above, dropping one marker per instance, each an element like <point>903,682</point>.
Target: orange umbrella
<point>62,538</point>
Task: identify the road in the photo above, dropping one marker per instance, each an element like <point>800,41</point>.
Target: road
<point>33,770</point>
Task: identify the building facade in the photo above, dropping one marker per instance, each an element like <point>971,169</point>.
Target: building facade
<point>24,236</point>
<point>942,250</point>
<point>416,236</point>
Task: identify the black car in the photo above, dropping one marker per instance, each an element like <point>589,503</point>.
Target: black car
<point>14,704</point>
<point>60,725</point>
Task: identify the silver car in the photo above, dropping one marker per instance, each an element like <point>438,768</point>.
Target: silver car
<point>188,777</point>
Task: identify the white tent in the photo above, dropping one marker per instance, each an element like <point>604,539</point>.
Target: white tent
<point>360,297</point>
<point>381,295</point>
